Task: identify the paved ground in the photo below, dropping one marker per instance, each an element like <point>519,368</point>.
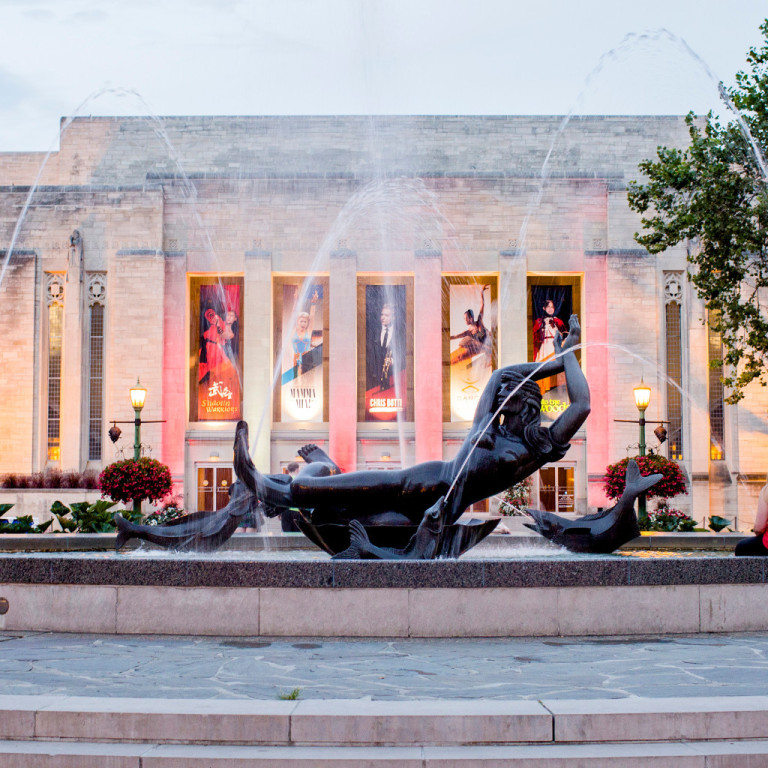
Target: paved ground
<point>517,668</point>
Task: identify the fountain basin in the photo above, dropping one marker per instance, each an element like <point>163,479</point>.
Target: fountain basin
<point>149,592</point>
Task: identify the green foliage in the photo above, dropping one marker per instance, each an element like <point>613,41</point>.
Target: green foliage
<point>83,517</point>
<point>290,696</point>
<point>23,524</point>
<point>516,500</point>
<point>717,523</point>
<point>665,519</point>
<point>170,509</point>
<point>714,198</point>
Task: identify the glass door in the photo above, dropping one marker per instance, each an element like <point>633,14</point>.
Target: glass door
<point>556,493</point>
<point>213,484</point>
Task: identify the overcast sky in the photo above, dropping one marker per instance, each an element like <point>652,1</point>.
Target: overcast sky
<point>197,57</point>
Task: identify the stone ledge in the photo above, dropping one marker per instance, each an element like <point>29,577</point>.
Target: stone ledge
<point>321,612</point>
<point>202,571</point>
<point>595,726</point>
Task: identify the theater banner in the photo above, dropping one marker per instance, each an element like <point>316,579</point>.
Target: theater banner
<point>472,324</point>
<point>385,352</point>
<point>551,306</point>
<point>219,381</point>
<point>301,382</point>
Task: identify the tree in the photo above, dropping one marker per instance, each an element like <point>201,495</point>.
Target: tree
<point>714,197</point>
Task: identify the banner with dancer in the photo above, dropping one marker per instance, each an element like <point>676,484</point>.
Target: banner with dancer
<point>472,326</point>
<point>385,352</point>
<point>218,361</point>
<point>301,384</point>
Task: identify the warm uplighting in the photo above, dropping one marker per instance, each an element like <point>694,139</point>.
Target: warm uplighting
<point>138,396</point>
<point>642,396</point>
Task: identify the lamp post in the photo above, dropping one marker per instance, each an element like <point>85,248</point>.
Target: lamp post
<point>138,396</point>
<point>642,394</point>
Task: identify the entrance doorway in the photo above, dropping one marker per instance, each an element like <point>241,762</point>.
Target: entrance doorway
<point>213,482</point>
<point>556,493</point>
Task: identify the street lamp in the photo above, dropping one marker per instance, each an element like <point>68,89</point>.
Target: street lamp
<point>642,394</point>
<point>138,396</point>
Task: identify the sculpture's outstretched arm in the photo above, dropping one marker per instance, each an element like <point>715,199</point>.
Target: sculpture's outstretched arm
<point>487,403</point>
<point>568,423</point>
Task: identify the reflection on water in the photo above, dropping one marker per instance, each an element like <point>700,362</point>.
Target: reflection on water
<point>526,551</point>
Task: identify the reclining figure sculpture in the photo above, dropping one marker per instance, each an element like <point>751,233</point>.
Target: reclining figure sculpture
<point>506,444</point>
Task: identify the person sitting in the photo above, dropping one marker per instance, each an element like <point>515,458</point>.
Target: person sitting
<point>758,544</point>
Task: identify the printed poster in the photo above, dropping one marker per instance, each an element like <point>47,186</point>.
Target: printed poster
<point>472,326</point>
<point>385,373</point>
<point>551,307</point>
<point>301,384</point>
<point>218,367</point>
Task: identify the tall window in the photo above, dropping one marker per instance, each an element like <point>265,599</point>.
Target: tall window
<point>55,333</point>
<point>673,296</point>
<point>97,292</point>
<point>716,420</point>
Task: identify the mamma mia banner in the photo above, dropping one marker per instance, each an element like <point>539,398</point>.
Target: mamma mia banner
<point>472,322</point>
<point>301,388</point>
<point>218,366</point>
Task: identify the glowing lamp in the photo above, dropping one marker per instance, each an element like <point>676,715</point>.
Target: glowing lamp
<point>138,396</point>
<point>642,396</point>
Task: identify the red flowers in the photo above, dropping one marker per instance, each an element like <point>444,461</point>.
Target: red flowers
<point>135,480</point>
<point>671,484</point>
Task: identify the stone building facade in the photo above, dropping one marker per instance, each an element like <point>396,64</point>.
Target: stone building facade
<point>124,248</point>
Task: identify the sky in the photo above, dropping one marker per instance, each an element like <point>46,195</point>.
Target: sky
<point>253,57</point>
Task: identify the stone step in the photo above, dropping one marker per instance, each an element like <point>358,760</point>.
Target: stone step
<point>339,722</point>
<point>694,754</point>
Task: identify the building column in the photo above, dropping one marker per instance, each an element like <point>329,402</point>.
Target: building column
<point>175,372</point>
<point>427,356</point>
<point>72,390</point>
<point>513,295</point>
<point>597,366</point>
<point>342,376</point>
<point>257,355</point>
<point>696,407</point>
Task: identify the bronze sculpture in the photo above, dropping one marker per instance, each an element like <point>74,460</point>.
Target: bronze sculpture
<point>413,513</point>
<point>506,444</point>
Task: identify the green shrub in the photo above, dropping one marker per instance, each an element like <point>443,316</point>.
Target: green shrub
<point>23,524</point>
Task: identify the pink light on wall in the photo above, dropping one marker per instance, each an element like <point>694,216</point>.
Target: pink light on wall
<point>174,369</point>
<point>597,371</point>
<point>427,355</point>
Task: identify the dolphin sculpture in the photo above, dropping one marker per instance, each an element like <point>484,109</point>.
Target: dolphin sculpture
<point>196,532</point>
<point>424,544</point>
<point>600,533</point>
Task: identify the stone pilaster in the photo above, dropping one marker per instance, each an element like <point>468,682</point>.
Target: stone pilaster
<point>72,375</point>
<point>513,293</point>
<point>257,355</point>
<point>342,376</point>
<point>175,372</point>
<point>427,346</point>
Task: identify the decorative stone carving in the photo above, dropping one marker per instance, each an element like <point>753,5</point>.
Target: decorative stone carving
<point>97,288</point>
<point>54,288</point>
